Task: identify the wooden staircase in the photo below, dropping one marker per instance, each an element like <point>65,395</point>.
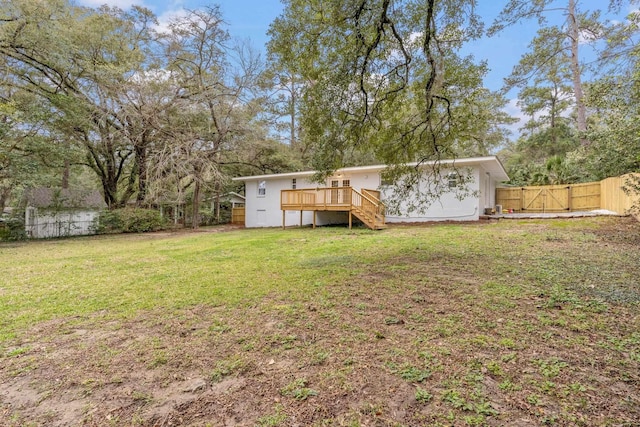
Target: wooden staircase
<point>368,208</point>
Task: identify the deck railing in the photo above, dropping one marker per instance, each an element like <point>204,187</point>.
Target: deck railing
<point>365,204</point>
<point>314,198</point>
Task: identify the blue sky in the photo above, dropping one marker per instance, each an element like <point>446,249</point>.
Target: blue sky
<point>250,19</point>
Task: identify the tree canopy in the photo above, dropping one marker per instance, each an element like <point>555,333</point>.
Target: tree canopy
<point>105,97</point>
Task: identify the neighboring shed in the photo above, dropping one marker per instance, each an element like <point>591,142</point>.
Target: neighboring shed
<point>236,200</point>
<point>52,212</point>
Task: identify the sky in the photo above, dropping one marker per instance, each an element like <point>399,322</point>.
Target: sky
<point>250,19</point>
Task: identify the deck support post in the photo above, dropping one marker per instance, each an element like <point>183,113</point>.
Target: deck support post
<point>283,216</point>
<point>350,219</point>
<point>301,218</point>
<point>314,219</point>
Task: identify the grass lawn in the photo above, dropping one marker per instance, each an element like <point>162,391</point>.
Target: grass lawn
<point>518,323</point>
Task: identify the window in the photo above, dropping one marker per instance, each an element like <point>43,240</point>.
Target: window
<point>452,177</point>
<point>262,188</point>
<point>346,183</point>
<point>293,183</point>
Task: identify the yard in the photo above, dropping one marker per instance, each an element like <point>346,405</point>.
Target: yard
<point>518,323</point>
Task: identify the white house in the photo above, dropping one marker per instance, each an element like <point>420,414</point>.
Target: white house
<point>292,199</point>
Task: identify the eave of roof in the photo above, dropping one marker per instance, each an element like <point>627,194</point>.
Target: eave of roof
<point>490,163</point>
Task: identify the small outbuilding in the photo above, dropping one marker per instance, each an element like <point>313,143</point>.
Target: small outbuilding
<point>54,212</point>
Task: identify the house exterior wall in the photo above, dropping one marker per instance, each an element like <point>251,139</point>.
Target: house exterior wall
<point>264,210</point>
<point>488,187</point>
<point>447,207</point>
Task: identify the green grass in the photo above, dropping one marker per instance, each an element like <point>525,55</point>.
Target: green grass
<point>451,324</point>
<point>122,275</point>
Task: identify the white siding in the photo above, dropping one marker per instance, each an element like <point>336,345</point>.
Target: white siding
<point>42,224</point>
<point>359,180</point>
<point>447,208</point>
<point>264,211</point>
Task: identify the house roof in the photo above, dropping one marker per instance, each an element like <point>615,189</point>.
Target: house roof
<point>64,198</point>
<point>228,196</point>
<point>490,163</point>
<point>233,194</point>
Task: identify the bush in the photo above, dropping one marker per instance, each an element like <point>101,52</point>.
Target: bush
<point>130,220</point>
<point>12,228</point>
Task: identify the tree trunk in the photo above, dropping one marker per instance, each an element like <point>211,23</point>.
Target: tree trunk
<point>65,173</point>
<point>195,217</point>
<point>141,162</point>
<point>574,36</point>
<point>554,138</point>
<point>292,111</point>
<point>217,208</point>
<point>4,196</point>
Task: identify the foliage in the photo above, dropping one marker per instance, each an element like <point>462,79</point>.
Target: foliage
<point>156,116</point>
<point>130,220</point>
<point>12,227</point>
<point>554,148</point>
<point>76,61</point>
<point>632,187</point>
<point>385,78</point>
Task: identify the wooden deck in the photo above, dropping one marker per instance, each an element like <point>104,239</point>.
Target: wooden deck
<point>365,205</point>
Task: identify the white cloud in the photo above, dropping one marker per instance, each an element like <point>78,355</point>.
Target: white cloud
<point>170,10</point>
<point>167,17</point>
<point>513,110</point>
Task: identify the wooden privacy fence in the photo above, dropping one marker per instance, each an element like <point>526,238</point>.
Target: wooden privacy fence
<point>606,194</point>
<point>616,200</point>
<point>237,216</point>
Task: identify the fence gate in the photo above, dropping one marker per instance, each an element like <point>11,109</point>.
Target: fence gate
<point>543,199</point>
<point>237,216</point>
<point>550,198</point>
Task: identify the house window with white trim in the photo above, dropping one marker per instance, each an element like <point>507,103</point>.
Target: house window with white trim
<point>452,178</point>
<point>293,184</point>
<point>262,188</point>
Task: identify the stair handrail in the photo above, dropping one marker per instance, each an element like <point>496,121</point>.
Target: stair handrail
<point>378,206</point>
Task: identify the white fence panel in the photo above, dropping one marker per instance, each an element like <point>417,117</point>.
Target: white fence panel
<point>42,225</point>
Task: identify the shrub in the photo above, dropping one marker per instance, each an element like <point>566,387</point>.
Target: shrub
<point>12,228</point>
<point>130,220</point>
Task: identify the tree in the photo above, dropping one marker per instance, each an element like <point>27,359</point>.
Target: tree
<point>30,155</point>
<point>382,77</point>
<point>214,106</point>
<point>282,105</point>
<point>614,98</point>
<point>77,60</point>
<point>552,46</point>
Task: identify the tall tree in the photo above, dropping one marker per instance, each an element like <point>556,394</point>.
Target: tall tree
<point>552,44</point>
<point>614,98</point>
<point>286,84</point>
<point>77,60</point>
<point>213,97</point>
<point>383,76</point>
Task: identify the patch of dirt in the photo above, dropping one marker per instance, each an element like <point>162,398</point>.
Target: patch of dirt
<point>625,230</point>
